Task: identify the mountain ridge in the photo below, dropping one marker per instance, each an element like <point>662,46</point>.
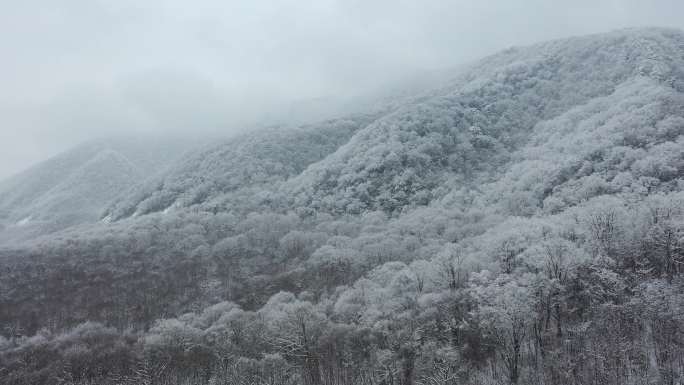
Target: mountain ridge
<point>411,154</point>
<point>74,187</point>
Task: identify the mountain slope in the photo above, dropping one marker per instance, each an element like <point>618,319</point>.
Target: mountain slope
<point>628,142</point>
<point>229,174</point>
<point>463,133</point>
<point>470,129</point>
<point>75,187</point>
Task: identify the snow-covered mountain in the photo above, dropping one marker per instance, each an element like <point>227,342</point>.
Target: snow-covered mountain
<point>234,172</point>
<point>520,223</point>
<point>466,132</point>
<point>75,187</point>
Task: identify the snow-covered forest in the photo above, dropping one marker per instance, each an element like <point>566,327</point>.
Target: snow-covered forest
<point>522,223</point>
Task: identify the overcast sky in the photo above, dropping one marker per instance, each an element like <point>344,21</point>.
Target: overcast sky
<point>73,70</point>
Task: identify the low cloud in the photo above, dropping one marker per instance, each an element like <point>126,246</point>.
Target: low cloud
<point>81,69</point>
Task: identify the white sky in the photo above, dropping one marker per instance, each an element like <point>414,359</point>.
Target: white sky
<point>73,70</point>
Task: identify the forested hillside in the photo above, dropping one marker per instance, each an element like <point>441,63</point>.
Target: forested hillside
<point>227,176</point>
<point>521,224</point>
